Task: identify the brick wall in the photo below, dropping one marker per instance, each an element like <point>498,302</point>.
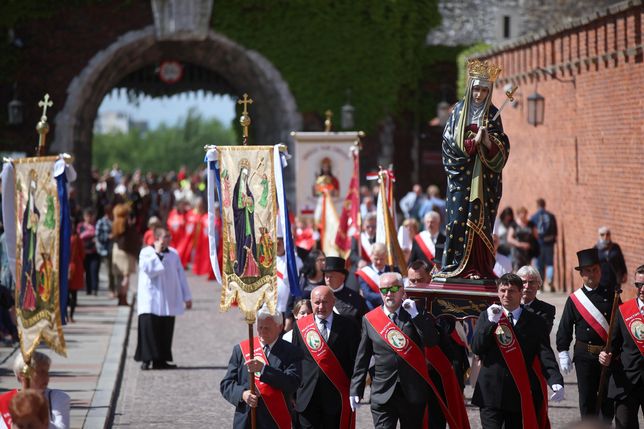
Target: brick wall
<point>585,160</point>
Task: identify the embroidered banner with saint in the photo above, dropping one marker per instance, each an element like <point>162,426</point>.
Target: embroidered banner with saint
<point>249,214</point>
<point>37,253</point>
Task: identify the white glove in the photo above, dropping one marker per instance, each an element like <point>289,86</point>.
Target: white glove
<point>558,394</point>
<point>354,401</point>
<point>564,362</point>
<point>494,313</point>
<point>410,306</point>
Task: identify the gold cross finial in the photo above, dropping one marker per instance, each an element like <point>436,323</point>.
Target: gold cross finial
<point>327,123</point>
<point>42,127</point>
<point>45,103</point>
<point>244,120</point>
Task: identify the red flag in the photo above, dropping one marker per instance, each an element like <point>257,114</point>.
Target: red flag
<point>350,217</point>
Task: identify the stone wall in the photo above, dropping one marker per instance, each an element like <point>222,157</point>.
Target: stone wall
<point>585,159</point>
<point>466,22</point>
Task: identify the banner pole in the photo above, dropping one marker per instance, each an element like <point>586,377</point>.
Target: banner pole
<point>253,410</point>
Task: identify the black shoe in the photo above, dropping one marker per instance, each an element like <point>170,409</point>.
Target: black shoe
<point>163,365</point>
<point>145,365</point>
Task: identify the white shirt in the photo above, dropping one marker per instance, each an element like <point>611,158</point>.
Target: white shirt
<point>163,288</point>
<point>516,313</point>
<point>387,312</point>
<point>329,322</point>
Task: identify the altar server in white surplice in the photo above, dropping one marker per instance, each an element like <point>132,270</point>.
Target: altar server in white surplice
<point>163,293</point>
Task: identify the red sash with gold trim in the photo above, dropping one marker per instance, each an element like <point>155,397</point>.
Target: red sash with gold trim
<point>511,351</point>
<point>634,322</point>
<point>418,238</point>
<point>272,397</point>
<point>330,366</point>
<point>370,276</point>
<point>544,421</point>
<point>452,387</point>
<point>407,350</point>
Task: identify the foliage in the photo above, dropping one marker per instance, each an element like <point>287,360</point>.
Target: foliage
<point>324,48</point>
<point>462,64</point>
<point>166,148</point>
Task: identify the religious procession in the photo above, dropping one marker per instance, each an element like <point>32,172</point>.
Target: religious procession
<point>439,255</point>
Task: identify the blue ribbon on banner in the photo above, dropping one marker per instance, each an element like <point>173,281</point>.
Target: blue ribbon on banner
<point>65,244</point>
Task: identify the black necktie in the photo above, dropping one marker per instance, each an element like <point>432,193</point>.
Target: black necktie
<point>267,349</point>
<point>511,318</point>
<point>324,331</point>
<point>393,318</point>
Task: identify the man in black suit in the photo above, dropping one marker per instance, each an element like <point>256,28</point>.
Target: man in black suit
<point>627,383</point>
<point>587,312</point>
<point>531,284</point>
<point>282,373</point>
<point>348,302</point>
<point>319,398</point>
<point>398,391</point>
<point>497,393</point>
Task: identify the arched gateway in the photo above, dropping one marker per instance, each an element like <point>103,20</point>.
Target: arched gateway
<point>274,112</point>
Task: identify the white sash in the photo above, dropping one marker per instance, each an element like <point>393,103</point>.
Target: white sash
<point>427,239</point>
<point>366,246</point>
<point>591,310</point>
<point>372,275</point>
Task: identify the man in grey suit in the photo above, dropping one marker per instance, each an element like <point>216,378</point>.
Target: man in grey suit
<point>281,372</point>
<point>398,392</point>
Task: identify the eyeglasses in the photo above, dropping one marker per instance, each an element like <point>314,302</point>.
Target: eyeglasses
<point>531,282</point>
<point>637,285</point>
<point>392,289</point>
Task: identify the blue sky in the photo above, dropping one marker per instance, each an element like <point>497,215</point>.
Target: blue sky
<point>170,109</point>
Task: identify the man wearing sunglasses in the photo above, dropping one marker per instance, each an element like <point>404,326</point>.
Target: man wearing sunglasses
<point>393,334</point>
<point>627,358</point>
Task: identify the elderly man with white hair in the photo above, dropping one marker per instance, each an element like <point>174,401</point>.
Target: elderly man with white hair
<point>394,334</point>
<point>611,259</point>
<point>57,400</point>
<point>276,365</point>
<point>532,282</point>
<point>424,246</point>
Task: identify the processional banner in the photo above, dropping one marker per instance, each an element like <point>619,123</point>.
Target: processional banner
<point>250,187</point>
<point>36,212</point>
<point>324,165</point>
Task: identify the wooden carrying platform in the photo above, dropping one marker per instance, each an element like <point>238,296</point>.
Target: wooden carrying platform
<point>454,297</point>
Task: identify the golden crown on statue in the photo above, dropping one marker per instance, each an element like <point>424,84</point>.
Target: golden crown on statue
<point>483,70</point>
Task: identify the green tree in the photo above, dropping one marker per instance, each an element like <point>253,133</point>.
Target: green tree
<point>163,149</point>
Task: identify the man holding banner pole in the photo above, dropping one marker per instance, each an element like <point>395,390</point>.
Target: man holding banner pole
<point>276,365</point>
<point>516,363</point>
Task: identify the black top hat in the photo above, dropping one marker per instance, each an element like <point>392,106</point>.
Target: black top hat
<point>335,263</point>
<point>438,257</point>
<point>587,257</point>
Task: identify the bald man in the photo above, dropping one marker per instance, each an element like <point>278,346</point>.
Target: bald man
<point>330,343</point>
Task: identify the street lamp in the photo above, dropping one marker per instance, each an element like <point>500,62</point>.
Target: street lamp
<point>536,107</point>
<point>346,120</point>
